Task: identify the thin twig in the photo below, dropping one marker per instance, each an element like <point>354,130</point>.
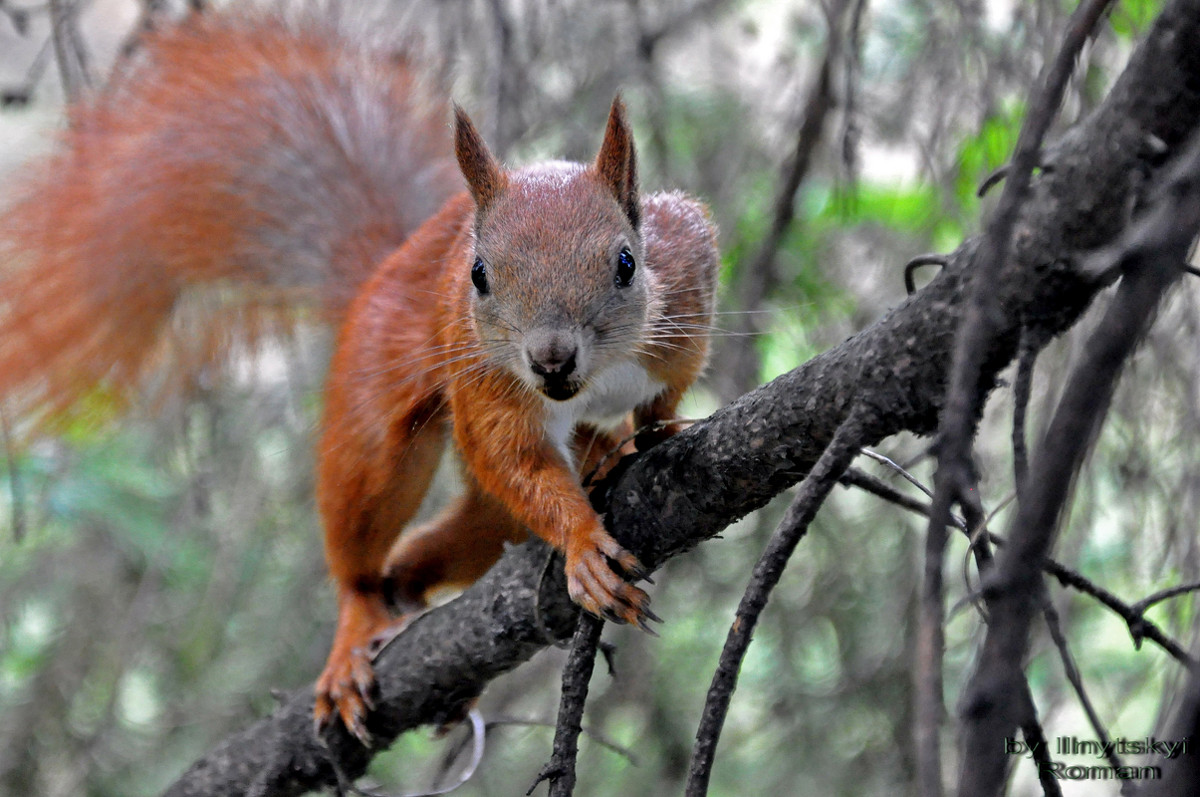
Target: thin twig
<point>1158,597</point>
<point>910,268</point>
<point>760,273</point>
<point>577,672</point>
<point>594,735</point>
<point>979,548</point>
<point>478,735</point>
<point>812,493</point>
<point>913,480</point>
<point>1071,670</point>
<point>1139,627</point>
<point>1039,748</point>
<point>60,33</point>
<point>853,477</point>
<point>851,72</point>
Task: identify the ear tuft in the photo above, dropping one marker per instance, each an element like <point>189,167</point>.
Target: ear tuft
<point>616,162</point>
<point>484,176</point>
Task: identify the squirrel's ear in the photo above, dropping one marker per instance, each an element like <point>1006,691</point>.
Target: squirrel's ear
<point>484,175</point>
<point>617,162</point>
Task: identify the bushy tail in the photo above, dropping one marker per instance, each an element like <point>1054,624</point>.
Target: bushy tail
<point>244,165</point>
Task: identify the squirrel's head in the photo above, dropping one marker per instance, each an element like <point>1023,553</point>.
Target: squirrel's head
<point>559,291</point>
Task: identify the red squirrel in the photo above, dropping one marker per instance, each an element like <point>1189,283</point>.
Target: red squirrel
<point>534,319</point>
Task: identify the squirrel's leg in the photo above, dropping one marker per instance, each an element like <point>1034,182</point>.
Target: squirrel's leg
<point>458,546</point>
<point>365,502</point>
<point>506,447</point>
<point>660,410</point>
<point>451,551</point>
<point>598,450</point>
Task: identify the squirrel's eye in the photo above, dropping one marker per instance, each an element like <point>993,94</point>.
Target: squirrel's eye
<point>625,268</point>
<point>479,276</point>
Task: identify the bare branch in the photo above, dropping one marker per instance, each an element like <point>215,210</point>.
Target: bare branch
<point>1140,627</point>
<point>560,769</point>
<point>1074,678</point>
<point>1031,729</point>
<point>1013,592</point>
<point>767,571</point>
<point>955,481</point>
<point>1158,597</point>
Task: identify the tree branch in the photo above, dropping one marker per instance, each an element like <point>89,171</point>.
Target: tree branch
<point>767,572</point>
<point>956,481</point>
<point>691,487</point>
<point>1016,583</point>
<point>577,675</point>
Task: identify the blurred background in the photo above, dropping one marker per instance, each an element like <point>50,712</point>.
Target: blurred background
<point>161,571</point>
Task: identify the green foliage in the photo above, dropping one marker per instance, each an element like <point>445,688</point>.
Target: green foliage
<point>982,153</point>
<point>1131,18</point>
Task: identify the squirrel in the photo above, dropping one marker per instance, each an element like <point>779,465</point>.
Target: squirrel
<point>535,318</point>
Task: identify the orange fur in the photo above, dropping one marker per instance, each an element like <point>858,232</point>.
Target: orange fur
<point>528,320</point>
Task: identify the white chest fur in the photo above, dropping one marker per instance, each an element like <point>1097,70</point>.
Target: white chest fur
<point>604,404</point>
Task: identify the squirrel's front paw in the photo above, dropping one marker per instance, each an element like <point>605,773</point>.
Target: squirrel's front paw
<point>345,689</point>
<point>593,584</point>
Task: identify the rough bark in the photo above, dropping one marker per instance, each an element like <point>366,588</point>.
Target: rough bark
<point>693,486</point>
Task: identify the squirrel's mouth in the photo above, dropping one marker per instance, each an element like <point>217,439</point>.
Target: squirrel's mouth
<point>559,389</point>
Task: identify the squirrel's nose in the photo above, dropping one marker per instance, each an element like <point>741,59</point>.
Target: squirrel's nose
<point>556,367</point>
<point>551,352</point>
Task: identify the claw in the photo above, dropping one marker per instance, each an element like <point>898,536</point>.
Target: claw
<point>596,581</point>
<point>637,571</point>
<point>354,717</point>
<point>321,717</point>
<point>642,624</point>
<point>346,691</point>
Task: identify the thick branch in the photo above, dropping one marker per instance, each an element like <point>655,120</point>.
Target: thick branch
<point>704,478</point>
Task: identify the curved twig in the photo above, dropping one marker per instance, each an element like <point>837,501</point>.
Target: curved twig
<point>478,740</point>
<point>910,268</point>
<point>1050,613</point>
<point>813,490</point>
